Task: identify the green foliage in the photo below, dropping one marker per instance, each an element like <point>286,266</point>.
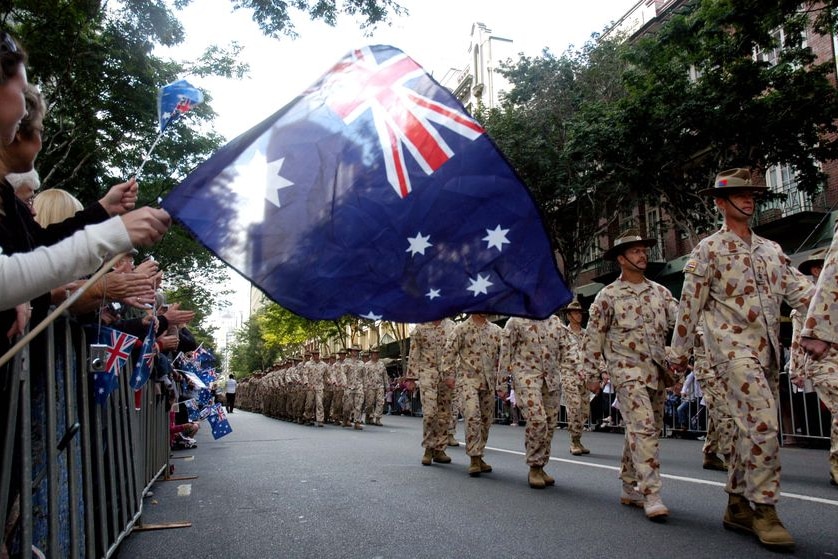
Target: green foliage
<point>250,353</point>
<point>275,19</point>
<point>618,123</point>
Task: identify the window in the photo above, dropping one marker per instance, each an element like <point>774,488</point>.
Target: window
<point>780,179</point>
<point>772,55</point>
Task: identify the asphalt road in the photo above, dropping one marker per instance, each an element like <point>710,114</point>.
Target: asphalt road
<point>276,489</point>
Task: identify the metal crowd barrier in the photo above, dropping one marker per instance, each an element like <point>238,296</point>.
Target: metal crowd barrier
<point>74,473</point>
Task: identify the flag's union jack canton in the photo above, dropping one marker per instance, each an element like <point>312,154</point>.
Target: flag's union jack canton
<point>174,99</point>
<point>375,194</point>
<point>218,422</point>
<point>119,345</point>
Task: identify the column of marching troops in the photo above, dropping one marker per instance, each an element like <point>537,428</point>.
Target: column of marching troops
<point>347,391</point>
<point>726,325</point>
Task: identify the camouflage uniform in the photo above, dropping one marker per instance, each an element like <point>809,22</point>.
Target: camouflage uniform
<point>533,351</point>
<point>822,323</point>
<point>471,353</point>
<point>574,391</point>
<point>378,379</point>
<point>627,327</point>
<point>316,373</point>
<point>339,380</point>
<point>737,289</point>
<point>427,342</point>
<point>353,397</point>
<point>720,427</point>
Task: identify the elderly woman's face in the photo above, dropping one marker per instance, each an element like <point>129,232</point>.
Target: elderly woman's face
<point>12,105</point>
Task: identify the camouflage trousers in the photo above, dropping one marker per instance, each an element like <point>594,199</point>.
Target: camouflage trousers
<point>577,405</point>
<point>337,404</point>
<point>642,409</point>
<point>540,407</point>
<point>314,405</point>
<point>754,469</point>
<point>824,376</point>
<point>436,411</point>
<point>369,404</point>
<point>479,413</point>
<point>378,401</point>
<point>719,439</point>
<point>456,410</point>
<point>353,405</point>
<point>328,396</point>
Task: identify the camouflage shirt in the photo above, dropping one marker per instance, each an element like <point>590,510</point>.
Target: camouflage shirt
<point>737,288</point>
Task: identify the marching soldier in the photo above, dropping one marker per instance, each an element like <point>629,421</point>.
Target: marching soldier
<point>353,401</point>
<point>471,360</point>
<point>532,351</point>
<point>820,341</point>
<point>629,322</point>
<point>378,379</point>
<point>427,342</point>
<point>339,379</point>
<point>736,281</point>
<point>574,387</point>
<point>316,372</point>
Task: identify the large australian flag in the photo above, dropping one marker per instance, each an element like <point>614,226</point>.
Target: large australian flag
<point>374,193</point>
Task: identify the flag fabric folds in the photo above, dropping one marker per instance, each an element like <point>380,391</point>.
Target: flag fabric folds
<point>218,422</point>
<point>174,99</point>
<point>142,369</point>
<point>193,410</point>
<point>119,346</point>
<point>375,194</point>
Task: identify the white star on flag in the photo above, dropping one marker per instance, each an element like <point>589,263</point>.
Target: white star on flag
<point>371,316</point>
<point>418,244</point>
<point>256,170</point>
<point>432,294</point>
<point>496,238</point>
<point>480,285</point>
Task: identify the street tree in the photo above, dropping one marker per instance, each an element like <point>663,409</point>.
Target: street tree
<point>721,84</point>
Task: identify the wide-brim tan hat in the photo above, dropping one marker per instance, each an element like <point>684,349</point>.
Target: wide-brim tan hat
<point>733,181</point>
<point>572,306</point>
<point>625,241</point>
<point>815,259</point>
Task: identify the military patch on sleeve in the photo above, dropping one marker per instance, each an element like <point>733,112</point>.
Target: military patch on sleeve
<point>693,266</point>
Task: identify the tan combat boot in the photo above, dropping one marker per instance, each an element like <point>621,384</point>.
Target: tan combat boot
<point>739,516</point>
<point>833,470</point>
<point>484,467</point>
<point>474,468</point>
<point>548,479</point>
<point>631,497</point>
<point>346,423</point>
<point>452,441</point>
<point>769,530</point>
<point>576,448</point>
<point>427,457</point>
<point>358,426</point>
<point>535,480</point>
<point>440,457</point>
<point>654,507</point>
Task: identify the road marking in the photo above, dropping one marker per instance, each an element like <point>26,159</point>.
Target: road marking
<point>669,476</point>
<point>184,490</point>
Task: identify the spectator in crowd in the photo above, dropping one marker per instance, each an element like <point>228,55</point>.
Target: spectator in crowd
<point>230,393</point>
<point>691,397</point>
